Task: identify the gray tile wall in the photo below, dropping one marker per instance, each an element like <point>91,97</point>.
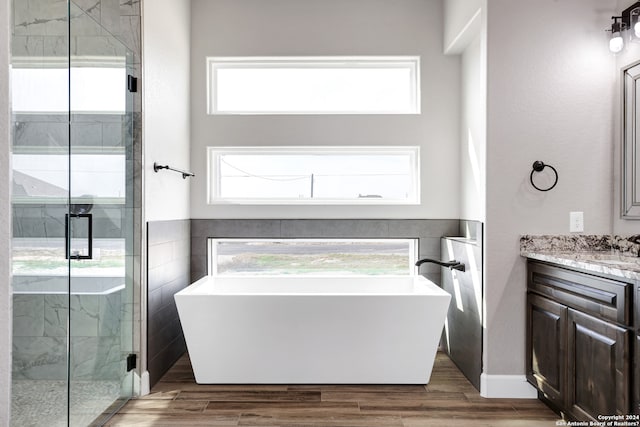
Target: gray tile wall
<point>472,230</point>
<point>462,340</point>
<point>168,244</point>
<point>428,231</point>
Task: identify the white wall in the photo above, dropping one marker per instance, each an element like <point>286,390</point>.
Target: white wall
<point>630,55</point>
<point>346,27</point>
<point>166,126</point>
<point>550,97</point>
<point>465,34</point>
<point>5,219</point>
<point>462,23</point>
<point>473,130</point>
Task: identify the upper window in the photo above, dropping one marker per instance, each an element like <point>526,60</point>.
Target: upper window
<point>46,90</point>
<point>314,85</point>
<point>306,175</point>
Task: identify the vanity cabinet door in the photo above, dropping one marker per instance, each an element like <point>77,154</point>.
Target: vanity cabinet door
<point>598,366</point>
<point>546,347</point>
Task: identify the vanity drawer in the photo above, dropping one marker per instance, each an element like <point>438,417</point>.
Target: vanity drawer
<point>600,297</point>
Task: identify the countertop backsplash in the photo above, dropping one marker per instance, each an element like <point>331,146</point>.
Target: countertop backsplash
<point>625,246</point>
<point>620,245</point>
<point>605,254</point>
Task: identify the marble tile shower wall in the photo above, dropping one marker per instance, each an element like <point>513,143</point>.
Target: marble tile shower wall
<point>40,329</point>
<point>40,27</point>
<point>103,324</point>
<point>47,220</point>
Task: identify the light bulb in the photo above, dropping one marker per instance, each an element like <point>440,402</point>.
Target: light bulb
<point>636,29</point>
<point>616,43</point>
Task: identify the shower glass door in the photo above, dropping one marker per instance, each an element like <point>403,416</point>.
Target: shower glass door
<point>99,220</point>
<point>73,207</point>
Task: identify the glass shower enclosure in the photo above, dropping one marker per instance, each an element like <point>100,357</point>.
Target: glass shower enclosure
<point>73,217</point>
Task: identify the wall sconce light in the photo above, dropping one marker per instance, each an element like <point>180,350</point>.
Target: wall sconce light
<point>634,20</point>
<point>627,22</point>
<point>616,42</point>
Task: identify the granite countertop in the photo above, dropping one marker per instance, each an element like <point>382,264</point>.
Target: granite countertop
<point>612,255</point>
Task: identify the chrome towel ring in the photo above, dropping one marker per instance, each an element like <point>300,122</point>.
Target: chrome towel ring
<point>539,166</point>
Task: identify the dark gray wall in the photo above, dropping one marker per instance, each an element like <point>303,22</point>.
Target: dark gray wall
<point>168,244</point>
<point>462,340</point>
<point>428,231</point>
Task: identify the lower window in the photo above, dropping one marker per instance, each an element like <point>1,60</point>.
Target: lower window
<point>312,256</point>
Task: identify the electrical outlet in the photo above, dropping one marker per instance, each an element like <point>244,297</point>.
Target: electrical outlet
<point>576,222</point>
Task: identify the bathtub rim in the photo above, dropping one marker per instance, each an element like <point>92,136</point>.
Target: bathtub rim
<point>420,286</point>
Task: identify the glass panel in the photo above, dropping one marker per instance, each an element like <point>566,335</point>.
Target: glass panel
<point>312,257</point>
<point>100,184</point>
<point>40,48</point>
<point>72,203</point>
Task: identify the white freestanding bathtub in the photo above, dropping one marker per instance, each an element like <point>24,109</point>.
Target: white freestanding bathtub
<point>312,330</point>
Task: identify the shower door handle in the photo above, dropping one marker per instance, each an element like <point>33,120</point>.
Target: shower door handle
<point>71,250</point>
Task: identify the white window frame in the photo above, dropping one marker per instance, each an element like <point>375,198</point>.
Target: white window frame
<point>212,265</point>
<point>347,62</point>
<point>214,196</point>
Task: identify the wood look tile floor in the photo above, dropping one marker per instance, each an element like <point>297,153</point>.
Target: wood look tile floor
<point>448,400</point>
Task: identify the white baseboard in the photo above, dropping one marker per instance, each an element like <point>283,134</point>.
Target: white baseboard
<point>141,384</point>
<point>506,386</point>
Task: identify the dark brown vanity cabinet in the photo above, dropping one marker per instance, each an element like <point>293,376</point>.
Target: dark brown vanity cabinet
<point>580,341</point>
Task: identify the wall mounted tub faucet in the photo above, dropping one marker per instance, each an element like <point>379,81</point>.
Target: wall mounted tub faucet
<point>453,265</point>
<point>634,239</point>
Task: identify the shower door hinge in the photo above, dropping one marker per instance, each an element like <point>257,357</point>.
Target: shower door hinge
<point>132,83</point>
<point>131,362</point>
